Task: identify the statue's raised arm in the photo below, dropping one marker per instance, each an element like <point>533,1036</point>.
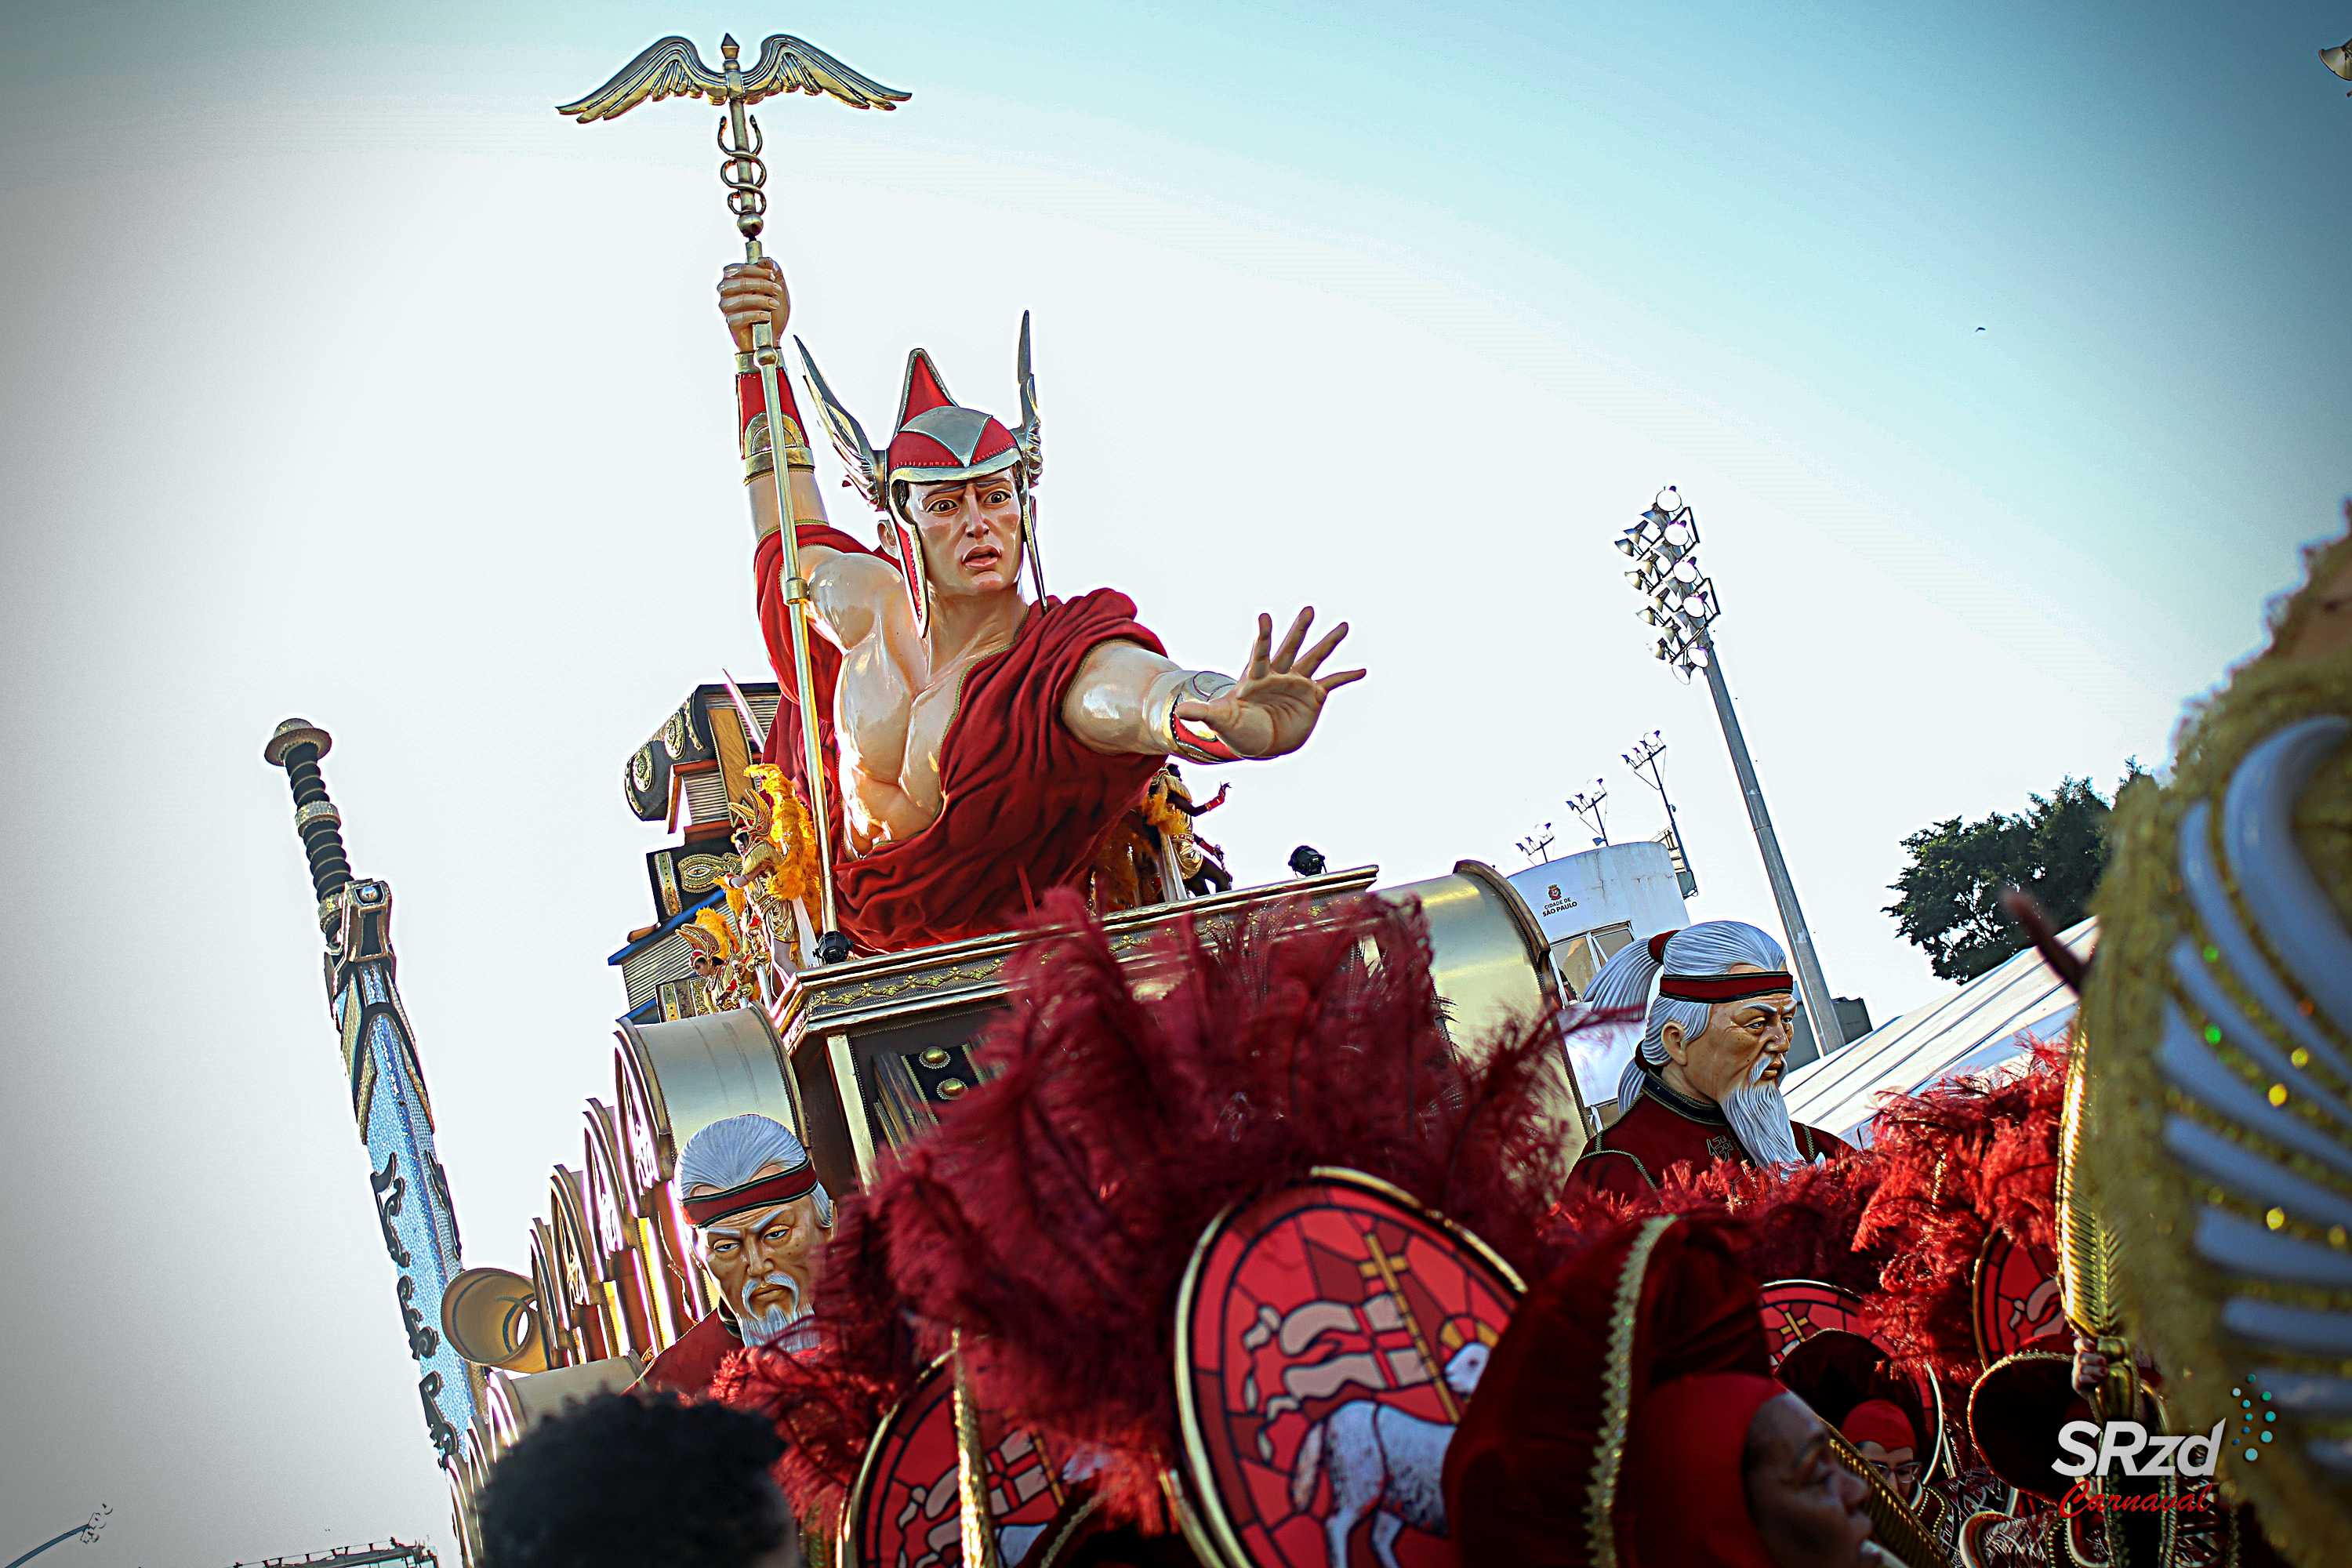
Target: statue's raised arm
<point>982,741</point>
<point>845,587</point>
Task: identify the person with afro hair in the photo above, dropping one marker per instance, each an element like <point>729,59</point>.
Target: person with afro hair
<point>626,1480</point>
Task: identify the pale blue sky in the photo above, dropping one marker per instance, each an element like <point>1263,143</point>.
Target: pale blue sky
<point>436,450</point>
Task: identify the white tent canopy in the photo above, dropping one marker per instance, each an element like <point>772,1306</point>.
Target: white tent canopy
<point>1985,1023</point>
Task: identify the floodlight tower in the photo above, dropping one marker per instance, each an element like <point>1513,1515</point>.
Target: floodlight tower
<point>1537,846</point>
<point>1645,754</point>
<point>1682,604</point>
<point>1588,808</point>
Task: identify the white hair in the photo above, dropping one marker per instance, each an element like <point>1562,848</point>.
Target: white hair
<point>1624,982</point>
<point>731,1151</point>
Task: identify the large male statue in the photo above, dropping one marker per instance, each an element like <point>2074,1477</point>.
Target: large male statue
<point>1705,1083</point>
<point>981,745</point>
<point>751,1192</point>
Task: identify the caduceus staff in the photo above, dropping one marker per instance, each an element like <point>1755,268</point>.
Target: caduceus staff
<point>671,69</point>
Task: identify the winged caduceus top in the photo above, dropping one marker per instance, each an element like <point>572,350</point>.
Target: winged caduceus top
<point>669,68</point>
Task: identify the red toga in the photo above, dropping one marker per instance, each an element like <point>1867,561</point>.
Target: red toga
<point>1025,802</point>
<point>690,1362</point>
<point>1665,1129</point>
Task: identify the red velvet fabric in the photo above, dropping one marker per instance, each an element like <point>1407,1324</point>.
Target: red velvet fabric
<point>1633,1153</point>
<point>1026,802</point>
<point>689,1364</point>
<point>1684,1494</point>
<point>1519,1470</point>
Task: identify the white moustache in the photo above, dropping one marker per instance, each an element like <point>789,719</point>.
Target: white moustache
<point>772,1323</point>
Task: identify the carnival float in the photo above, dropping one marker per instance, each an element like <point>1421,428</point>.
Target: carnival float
<point>1062,1202</point>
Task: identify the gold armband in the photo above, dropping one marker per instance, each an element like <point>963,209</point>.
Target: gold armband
<point>759,449</point>
<point>753,435</point>
<point>1181,737</point>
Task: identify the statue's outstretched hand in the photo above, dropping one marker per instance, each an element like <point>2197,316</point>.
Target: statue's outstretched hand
<point>1273,708</point>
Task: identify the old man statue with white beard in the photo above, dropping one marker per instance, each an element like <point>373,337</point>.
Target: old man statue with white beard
<point>751,1192</point>
<point>1705,1083</point>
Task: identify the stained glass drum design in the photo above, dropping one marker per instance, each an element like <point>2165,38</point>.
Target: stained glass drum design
<point>906,1511</point>
<point>1327,1337</point>
<point>2017,1298</point>
<point>1796,1311</point>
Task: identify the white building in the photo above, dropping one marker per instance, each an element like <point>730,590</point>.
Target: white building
<point>1983,1026</point>
<point>1590,905</point>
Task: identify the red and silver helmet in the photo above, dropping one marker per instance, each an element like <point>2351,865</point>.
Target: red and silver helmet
<point>938,441</point>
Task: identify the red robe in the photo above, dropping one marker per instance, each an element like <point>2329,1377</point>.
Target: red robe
<point>1633,1153</point>
<point>1025,801</point>
<point>689,1364</point>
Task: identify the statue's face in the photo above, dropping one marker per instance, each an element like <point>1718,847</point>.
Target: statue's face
<point>971,533</point>
<point>764,1259</point>
<point>1737,1033</point>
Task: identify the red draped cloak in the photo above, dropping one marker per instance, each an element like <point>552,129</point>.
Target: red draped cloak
<point>687,1366</point>
<point>1025,801</point>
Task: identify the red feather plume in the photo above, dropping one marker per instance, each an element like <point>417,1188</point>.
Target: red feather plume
<point>1961,1162</point>
<point>1788,1222</point>
<point>1051,1214</point>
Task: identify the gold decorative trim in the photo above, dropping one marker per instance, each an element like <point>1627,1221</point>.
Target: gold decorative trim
<point>1617,1386</point>
<point>1894,1526</point>
<point>1052,1553</point>
<point>1975,1281</point>
<point>759,446</point>
<point>971,1468</point>
<point>930,979</point>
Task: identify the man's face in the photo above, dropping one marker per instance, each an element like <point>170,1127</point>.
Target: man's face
<point>1737,1033</point>
<point>1806,1505</point>
<point>971,533</point>
<point>763,1258</point>
<point>1899,1465</point>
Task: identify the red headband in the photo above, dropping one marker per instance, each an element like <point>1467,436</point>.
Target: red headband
<point>1726,987</point>
<point>781,1188</point>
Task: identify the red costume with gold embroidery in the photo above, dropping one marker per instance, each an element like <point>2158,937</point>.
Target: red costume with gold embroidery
<point>1649,1346</point>
<point>1025,801</point>
<point>1632,1155</point>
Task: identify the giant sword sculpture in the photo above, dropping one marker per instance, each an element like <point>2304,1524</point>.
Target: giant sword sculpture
<point>671,69</point>
<point>387,1084</point>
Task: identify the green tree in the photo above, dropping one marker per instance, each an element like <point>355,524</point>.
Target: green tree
<point>1950,893</point>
